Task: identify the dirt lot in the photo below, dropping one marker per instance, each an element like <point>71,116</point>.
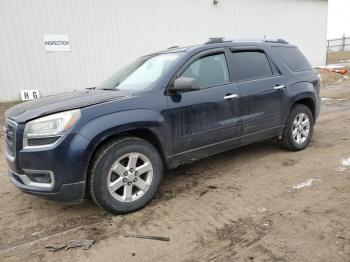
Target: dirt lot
<point>236,206</point>
<point>336,57</point>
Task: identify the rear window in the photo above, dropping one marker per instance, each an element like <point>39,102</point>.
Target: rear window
<point>251,65</point>
<point>293,58</point>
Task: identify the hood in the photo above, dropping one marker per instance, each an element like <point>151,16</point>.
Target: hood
<point>62,102</point>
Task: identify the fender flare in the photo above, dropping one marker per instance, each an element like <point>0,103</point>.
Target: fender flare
<point>300,91</point>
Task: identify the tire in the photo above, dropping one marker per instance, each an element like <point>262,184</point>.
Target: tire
<point>114,182</point>
<point>289,140</point>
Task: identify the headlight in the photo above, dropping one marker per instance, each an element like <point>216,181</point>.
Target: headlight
<point>48,129</point>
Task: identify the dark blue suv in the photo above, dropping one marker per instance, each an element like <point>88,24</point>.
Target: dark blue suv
<point>112,142</point>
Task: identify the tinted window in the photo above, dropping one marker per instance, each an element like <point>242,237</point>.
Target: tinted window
<point>209,71</point>
<point>251,65</point>
<point>294,59</point>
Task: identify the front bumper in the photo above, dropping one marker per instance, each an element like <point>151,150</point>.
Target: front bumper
<point>68,193</point>
<point>65,166</point>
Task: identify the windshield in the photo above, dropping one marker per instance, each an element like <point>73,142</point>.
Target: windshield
<point>140,74</point>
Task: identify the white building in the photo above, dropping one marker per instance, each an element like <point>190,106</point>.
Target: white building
<point>106,34</point>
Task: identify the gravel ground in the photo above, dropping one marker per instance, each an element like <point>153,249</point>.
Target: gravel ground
<point>255,203</point>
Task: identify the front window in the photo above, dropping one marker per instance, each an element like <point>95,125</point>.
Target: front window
<point>209,71</point>
<point>140,74</point>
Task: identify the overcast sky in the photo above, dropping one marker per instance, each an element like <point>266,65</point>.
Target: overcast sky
<point>338,18</point>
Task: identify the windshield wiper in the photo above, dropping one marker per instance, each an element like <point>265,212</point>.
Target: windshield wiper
<point>109,89</point>
<point>114,88</point>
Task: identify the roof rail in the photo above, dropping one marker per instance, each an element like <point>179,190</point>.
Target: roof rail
<point>281,41</point>
<point>172,47</point>
<point>215,40</point>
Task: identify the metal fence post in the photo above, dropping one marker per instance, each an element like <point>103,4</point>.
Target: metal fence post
<point>327,52</point>
<point>328,45</point>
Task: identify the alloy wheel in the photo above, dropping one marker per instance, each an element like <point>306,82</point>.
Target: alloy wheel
<point>301,128</point>
<point>130,177</point>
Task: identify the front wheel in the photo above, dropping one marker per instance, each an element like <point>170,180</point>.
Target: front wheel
<point>299,128</point>
<point>126,174</point>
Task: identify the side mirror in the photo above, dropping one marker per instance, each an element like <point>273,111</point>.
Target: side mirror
<point>185,84</point>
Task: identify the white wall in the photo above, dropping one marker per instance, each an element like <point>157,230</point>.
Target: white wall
<point>106,34</point>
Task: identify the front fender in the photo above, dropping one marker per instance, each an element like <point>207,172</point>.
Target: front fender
<point>103,127</point>
<point>114,123</point>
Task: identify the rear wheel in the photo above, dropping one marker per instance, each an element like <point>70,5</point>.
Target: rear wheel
<point>299,128</point>
<point>126,174</point>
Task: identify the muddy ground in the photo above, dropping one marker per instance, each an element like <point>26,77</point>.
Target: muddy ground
<point>236,206</point>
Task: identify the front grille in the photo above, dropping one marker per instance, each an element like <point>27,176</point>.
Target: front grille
<point>10,138</point>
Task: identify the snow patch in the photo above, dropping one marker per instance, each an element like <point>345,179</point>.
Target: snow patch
<point>346,162</point>
<point>334,66</point>
<point>340,169</point>
<point>307,183</point>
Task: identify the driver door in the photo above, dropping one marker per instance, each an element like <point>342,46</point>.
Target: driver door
<point>205,121</point>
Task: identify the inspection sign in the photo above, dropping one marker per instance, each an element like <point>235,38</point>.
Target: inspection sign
<point>56,43</point>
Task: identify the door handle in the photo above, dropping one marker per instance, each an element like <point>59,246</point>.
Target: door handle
<point>279,87</point>
<point>228,96</point>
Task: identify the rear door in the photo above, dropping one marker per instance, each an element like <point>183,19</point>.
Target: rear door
<point>209,116</point>
<point>261,93</point>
